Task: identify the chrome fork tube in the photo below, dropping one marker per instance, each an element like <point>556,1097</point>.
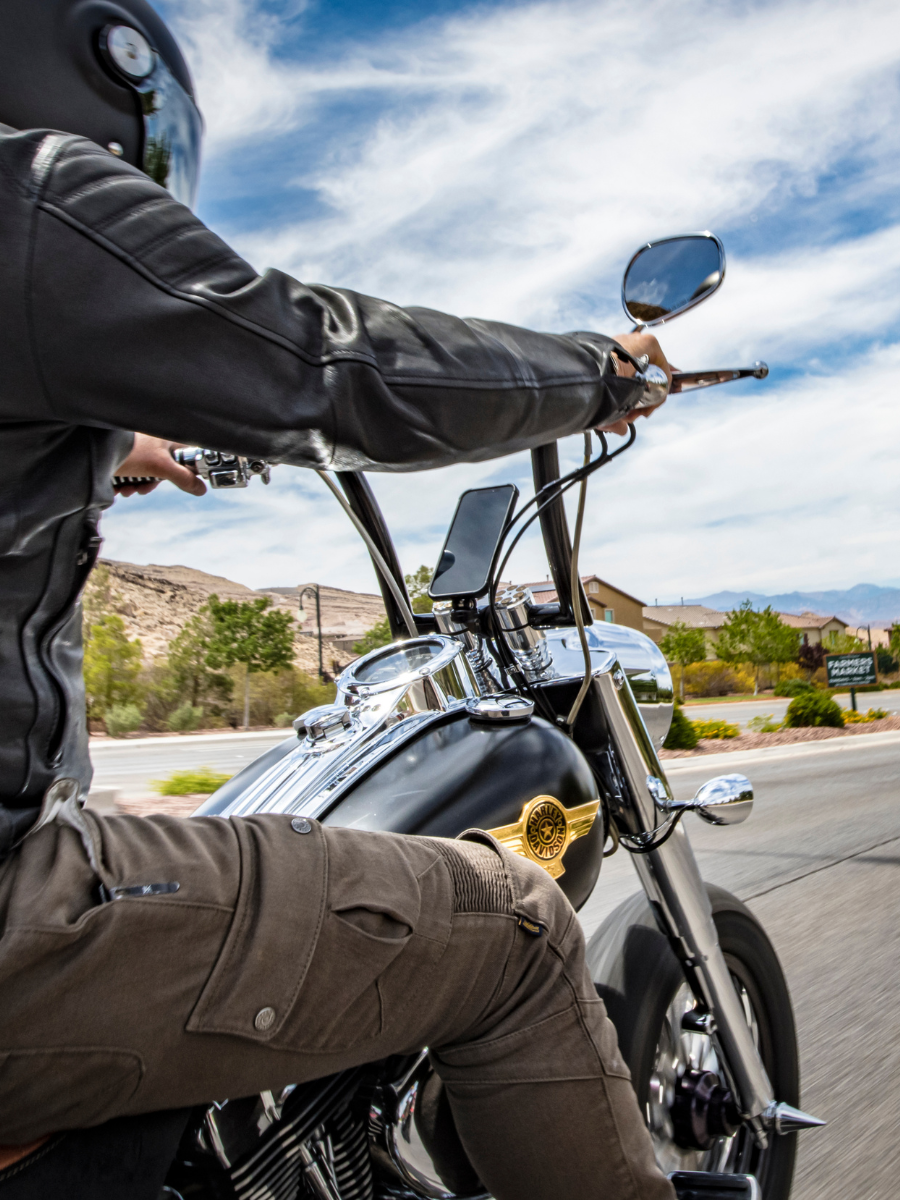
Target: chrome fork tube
<point>674,887</point>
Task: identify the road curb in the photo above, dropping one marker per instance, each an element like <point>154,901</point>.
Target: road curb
<point>792,750</point>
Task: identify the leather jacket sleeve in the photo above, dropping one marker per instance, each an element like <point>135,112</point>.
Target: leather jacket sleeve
<point>141,318</point>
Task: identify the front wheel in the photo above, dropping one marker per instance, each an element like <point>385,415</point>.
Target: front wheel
<point>647,997</point>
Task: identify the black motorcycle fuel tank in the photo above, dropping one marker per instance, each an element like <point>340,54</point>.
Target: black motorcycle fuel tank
<point>463,773</point>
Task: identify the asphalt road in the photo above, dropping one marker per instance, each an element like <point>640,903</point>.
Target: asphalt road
<point>741,711</point>
<point>131,766</point>
<point>818,862</point>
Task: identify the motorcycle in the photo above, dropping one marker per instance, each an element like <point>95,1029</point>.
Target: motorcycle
<point>542,727</point>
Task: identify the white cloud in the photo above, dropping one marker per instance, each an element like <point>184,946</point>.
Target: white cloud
<point>505,163</point>
<point>519,155</point>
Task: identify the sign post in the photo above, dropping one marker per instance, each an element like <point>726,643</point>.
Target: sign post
<point>851,670</point>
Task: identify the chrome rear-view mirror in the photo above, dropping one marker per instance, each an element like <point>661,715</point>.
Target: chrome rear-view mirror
<point>670,276</point>
<point>725,800</point>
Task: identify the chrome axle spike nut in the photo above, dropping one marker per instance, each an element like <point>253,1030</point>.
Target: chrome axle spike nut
<point>783,1118</point>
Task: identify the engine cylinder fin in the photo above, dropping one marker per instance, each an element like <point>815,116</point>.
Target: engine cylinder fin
<point>352,1164</point>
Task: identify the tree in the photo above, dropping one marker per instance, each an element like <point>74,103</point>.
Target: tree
<point>758,638</point>
<point>417,583</point>
<point>843,643</point>
<point>811,658</point>
<point>378,635</point>
<point>683,645</point>
<point>245,632</point>
<point>111,666</point>
<point>192,679</point>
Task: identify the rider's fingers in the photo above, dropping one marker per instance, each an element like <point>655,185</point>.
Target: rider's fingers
<point>181,477</point>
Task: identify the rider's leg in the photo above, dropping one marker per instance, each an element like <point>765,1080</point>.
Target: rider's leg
<point>282,958</point>
<point>541,1095</point>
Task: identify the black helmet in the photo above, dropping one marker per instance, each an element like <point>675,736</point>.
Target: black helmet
<point>109,70</point>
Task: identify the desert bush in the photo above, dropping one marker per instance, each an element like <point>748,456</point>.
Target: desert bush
<point>682,735</point>
<point>201,782</point>
<point>716,729</point>
<point>283,720</point>
<point>766,724</point>
<point>121,719</point>
<point>861,718</point>
<point>794,687</point>
<point>716,679</point>
<point>186,717</point>
<point>813,708</point>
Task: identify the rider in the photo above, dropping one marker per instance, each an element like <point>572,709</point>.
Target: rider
<point>151,964</point>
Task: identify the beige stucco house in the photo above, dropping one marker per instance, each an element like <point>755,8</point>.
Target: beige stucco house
<point>607,603</point>
<point>658,617</point>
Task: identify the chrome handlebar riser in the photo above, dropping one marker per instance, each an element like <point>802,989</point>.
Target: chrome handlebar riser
<point>476,651</point>
<point>528,645</point>
<point>672,882</point>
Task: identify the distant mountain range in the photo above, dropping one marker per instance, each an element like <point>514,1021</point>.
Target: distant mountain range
<point>865,604</point>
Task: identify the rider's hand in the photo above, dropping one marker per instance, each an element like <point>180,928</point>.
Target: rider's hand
<point>153,456</point>
<point>637,344</point>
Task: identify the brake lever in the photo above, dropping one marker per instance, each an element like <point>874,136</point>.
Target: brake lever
<point>689,381</point>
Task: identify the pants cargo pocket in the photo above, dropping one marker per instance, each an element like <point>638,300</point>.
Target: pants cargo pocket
<point>372,912</point>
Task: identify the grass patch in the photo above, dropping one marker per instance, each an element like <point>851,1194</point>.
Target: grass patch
<point>201,782</point>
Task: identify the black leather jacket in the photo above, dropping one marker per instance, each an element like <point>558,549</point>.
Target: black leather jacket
<point>120,311</point>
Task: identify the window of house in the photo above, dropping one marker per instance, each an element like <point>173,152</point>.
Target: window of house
<point>594,587</point>
<point>609,614</point>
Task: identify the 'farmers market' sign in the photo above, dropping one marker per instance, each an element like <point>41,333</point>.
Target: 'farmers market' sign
<point>850,670</point>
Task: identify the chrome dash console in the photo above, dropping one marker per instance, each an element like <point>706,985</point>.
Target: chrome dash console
<point>382,700</point>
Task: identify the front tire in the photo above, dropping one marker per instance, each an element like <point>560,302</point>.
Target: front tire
<point>637,974</point>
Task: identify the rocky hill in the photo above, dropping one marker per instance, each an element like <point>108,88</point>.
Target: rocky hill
<point>156,602</point>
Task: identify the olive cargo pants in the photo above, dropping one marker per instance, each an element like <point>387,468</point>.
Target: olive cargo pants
<point>292,951</point>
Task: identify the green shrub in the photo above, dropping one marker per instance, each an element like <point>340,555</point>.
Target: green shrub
<point>716,729</point>
<point>794,687</point>
<point>682,735</point>
<point>121,719</point>
<point>766,724</point>
<point>814,708</point>
<point>283,720</point>
<point>200,782</point>
<point>186,717</point>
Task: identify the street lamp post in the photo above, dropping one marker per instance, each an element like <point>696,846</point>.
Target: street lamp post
<point>314,588</point>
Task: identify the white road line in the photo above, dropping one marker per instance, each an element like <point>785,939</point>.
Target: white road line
<point>189,739</point>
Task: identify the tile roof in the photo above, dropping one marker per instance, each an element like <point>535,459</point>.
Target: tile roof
<point>698,616</point>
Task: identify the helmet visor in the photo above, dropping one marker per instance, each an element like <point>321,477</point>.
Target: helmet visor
<point>173,129</point>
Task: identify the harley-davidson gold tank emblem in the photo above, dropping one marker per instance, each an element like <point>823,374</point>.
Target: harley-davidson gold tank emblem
<point>545,830</point>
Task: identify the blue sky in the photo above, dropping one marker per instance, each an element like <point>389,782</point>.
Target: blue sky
<point>503,160</point>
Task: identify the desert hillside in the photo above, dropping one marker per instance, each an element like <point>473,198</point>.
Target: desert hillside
<point>158,601</point>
